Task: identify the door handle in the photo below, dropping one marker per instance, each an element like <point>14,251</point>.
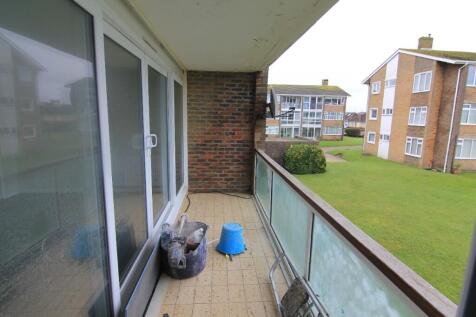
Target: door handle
<point>152,141</point>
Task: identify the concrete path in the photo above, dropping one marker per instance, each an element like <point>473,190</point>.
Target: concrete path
<point>336,159</point>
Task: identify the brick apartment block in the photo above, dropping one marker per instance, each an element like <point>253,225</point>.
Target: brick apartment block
<point>318,111</point>
<point>422,108</point>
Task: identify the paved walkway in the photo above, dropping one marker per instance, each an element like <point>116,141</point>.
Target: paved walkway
<point>336,159</point>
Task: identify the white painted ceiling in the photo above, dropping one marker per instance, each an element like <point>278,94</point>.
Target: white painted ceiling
<point>229,35</point>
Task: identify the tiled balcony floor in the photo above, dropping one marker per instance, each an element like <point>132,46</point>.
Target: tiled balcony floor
<point>226,288</point>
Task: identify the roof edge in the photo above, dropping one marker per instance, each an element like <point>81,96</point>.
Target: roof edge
<point>403,51</point>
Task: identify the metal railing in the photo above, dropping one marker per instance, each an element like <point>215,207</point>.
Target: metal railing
<point>351,274</point>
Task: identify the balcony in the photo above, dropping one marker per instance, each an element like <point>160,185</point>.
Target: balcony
<point>348,272</point>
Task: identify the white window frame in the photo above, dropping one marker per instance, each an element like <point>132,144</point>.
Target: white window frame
<point>471,108</point>
<point>385,137</point>
<point>370,113</point>
<point>417,78</point>
<point>375,87</point>
<point>472,151</point>
<point>33,129</point>
<point>471,79</point>
<point>368,137</point>
<point>418,144</point>
<point>390,83</point>
<point>412,114</point>
<point>325,130</point>
<point>387,111</point>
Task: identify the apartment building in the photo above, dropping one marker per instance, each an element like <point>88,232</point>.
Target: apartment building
<point>355,120</point>
<point>309,111</point>
<point>422,108</point>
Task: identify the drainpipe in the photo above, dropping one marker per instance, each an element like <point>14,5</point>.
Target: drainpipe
<point>445,167</point>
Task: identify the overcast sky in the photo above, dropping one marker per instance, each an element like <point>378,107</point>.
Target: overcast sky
<point>355,36</point>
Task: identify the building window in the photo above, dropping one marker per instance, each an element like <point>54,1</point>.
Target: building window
<point>468,115</point>
<point>471,76</point>
<point>274,130</point>
<point>413,146</point>
<point>290,101</point>
<point>387,111</point>
<point>417,116</point>
<point>332,130</point>
<point>333,115</point>
<point>422,82</point>
<point>390,83</point>
<point>375,87</point>
<point>29,131</point>
<point>371,137</point>
<point>306,102</point>
<point>385,137</point>
<point>373,113</point>
<point>466,149</point>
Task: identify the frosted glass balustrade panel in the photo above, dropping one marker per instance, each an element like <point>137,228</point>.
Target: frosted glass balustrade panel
<point>290,220</point>
<point>348,284</point>
<point>263,184</point>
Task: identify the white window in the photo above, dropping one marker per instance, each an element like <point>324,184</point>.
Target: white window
<point>417,116</point>
<point>332,130</point>
<point>371,137</point>
<point>375,87</point>
<point>471,76</point>
<point>385,137</point>
<point>466,149</point>
<point>29,131</point>
<point>306,102</point>
<point>373,113</point>
<point>413,146</point>
<point>390,83</point>
<point>387,111</point>
<point>468,115</point>
<point>272,130</point>
<point>333,115</point>
<point>422,82</point>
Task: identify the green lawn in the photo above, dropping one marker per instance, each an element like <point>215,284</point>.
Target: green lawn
<point>346,142</point>
<point>424,218</point>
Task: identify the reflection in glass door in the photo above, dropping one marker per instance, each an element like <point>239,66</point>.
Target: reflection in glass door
<point>158,132</point>
<point>123,81</point>
<point>52,233</point>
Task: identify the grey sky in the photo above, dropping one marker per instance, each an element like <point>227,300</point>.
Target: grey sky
<point>356,36</point>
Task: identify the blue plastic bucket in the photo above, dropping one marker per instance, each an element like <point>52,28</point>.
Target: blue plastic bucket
<point>231,239</point>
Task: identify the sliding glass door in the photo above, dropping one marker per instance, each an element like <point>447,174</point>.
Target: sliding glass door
<point>158,141</point>
<point>52,217</point>
<point>126,133</point>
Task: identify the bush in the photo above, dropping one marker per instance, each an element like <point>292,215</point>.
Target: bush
<point>355,132</point>
<point>304,159</point>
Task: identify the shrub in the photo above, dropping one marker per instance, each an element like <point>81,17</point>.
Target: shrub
<point>304,159</point>
<point>355,132</point>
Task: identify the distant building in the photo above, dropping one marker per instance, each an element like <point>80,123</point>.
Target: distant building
<point>422,108</point>
<point>318,111</point>
<point>354,120</point>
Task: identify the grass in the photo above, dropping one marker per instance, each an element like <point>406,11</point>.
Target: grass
<point>424,218</point>
<point>348,141</point>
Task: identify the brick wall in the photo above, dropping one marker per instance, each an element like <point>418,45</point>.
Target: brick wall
<point>374,101</point>
<point>221,130</point>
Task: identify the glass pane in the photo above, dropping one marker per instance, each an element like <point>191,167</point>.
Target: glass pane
<point>348,284</point>
<point>290,220</point>
<point>123,78</point>
<point>466,150</point>
<point>263,184</point>
<point>178,99</point>
<point>52,232</point>
<point>158,126</point>
<point>472,116</point>
<point>465,115</point>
